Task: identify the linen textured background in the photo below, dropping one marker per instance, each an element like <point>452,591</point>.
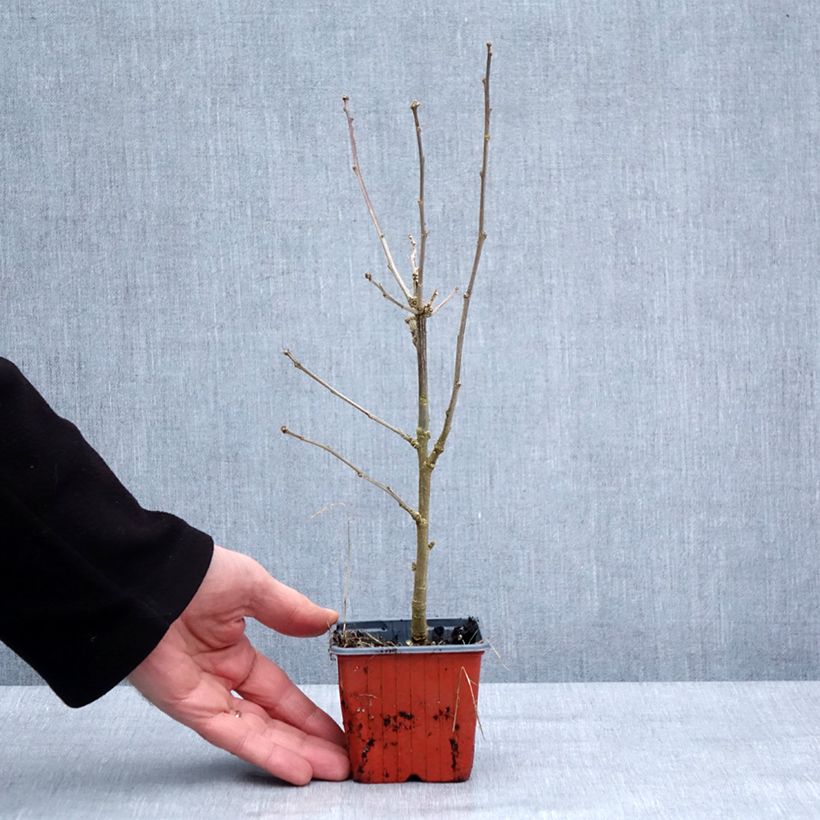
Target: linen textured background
<point>631,488</point>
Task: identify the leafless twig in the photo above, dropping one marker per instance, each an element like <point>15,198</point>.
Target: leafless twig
<point>414,107</point>
<point>438,448</point>
<point>414,266</point>
<point>387,295</point>
<point>299,366</point>
<point>359,472</point>
<point>443,302</point>
<point>391,265</point>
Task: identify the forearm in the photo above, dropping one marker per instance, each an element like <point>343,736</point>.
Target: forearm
<point>90,580</point>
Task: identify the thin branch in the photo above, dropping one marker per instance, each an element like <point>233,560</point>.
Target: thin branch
<point>390,298</point>
<point>299,366</point>
<point>359,472</point>
<point>438,448</point>
<point>391,265</point>
<point>414,265</point>
<point>442,303</point>
<point>414,107</point>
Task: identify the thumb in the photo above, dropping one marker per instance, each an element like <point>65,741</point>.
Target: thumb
<point>286,610</point>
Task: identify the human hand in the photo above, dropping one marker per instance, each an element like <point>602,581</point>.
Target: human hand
<point>205,657</point>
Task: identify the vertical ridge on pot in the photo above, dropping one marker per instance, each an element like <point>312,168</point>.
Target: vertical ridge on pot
<point>401,709</point>
<point>432,695</point>
<point>388,729</point>
<point>418,759</point>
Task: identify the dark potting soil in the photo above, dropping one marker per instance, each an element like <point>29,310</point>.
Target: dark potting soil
<point>457,632</point>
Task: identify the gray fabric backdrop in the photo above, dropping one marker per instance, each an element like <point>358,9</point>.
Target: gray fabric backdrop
<point>632,486</point>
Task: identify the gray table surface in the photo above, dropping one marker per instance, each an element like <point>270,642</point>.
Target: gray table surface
<point>579,750</point>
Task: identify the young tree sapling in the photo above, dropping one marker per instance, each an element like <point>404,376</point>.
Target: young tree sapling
<point>419,309</point>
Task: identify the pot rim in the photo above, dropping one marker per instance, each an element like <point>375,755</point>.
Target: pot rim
<point>403,624</point>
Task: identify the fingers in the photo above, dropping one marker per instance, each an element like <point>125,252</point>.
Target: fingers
<point>284,609</point>
<point>281,750</point>
<point>275,604</point>
<point>269,687</point>
<point>280,729</point>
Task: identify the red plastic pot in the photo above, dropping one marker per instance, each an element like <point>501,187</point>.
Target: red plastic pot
<point>409,712</point>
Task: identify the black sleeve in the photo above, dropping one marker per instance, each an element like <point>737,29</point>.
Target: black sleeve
<point>89,580</point>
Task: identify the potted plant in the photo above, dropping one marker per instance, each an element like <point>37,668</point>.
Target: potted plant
<point>409,689</point>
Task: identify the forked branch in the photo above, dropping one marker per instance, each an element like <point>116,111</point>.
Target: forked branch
<point>359,472</point>
<point>438,448</point>
<point>435,309</point>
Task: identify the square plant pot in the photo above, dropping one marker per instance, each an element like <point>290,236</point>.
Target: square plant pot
<point>410,712</point>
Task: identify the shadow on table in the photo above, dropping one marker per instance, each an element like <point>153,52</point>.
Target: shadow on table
<point>225,771</point>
